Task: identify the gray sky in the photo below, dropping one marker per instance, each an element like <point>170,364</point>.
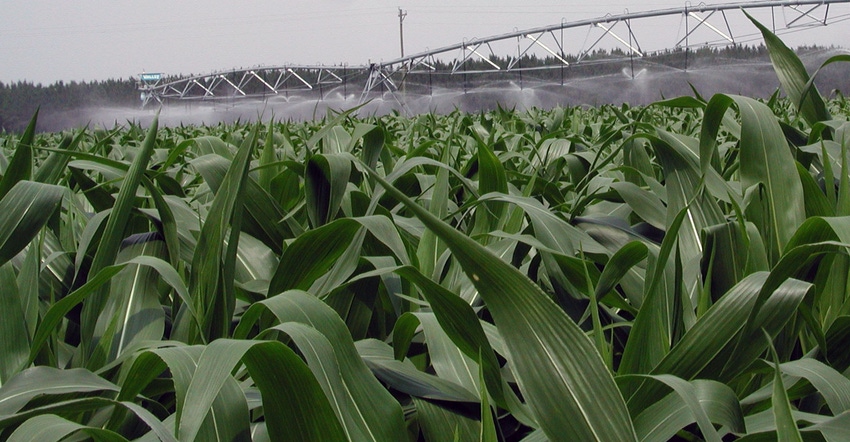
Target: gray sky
<point>44,41</point>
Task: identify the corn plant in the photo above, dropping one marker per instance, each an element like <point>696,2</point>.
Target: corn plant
<point>671,272</point>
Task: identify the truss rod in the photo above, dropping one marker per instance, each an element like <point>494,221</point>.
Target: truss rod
<point>806,14</point>
<point>702,21</point>
<point>486,59</point>
<point>546,48</point>
<point>231,83</point>
<point>294,74</point>
<point>271,88</point>
<point>617,37</point>
<point>209,92</point>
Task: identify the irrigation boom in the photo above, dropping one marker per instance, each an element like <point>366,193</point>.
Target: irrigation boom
<point>700,25</point>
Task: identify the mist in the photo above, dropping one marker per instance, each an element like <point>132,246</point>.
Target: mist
<point>643,84</point>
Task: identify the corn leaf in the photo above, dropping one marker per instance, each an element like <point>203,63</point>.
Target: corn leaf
<point>832,385</point>
<point>404,377</point>
<point>664,419</point>
<point>52,427</point>
<point>793,77</point>
<point>294,405</point>
<point>786,427</point>
<point>211,281</point>
<point>325,180</point>
<point>441,424</point>
<point>51,170</point>
<point>133,312</point>
<point>320,357</point>
<point>377,414</point>
<point>20,168</point>
<point>766,160</point>
<point>224,418</point>
<point>36,381</point>
<point>113,234</point>
<point>14,335</point>
<point>555,362</point>
<point>24,210</point>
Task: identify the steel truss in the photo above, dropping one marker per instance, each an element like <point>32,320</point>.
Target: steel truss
<point>253,82</point>
<point>699,26</point>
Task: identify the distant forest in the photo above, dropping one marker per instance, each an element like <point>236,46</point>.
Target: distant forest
<point>19,100</point>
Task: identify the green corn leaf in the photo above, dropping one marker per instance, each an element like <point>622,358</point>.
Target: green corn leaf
<point>264,213</point>
<point>491,178</point>
<point>323,362</point>
<point>325,180</point>
<point>430,247</point>
<point>651,335</point>
<point>254,261</point>
<point>832,385</point>
<point>295,407</point>
<point>447,360</point>
<point>403,376</point>
<point>75,407</point>
<point>441,424</point>
<point>211,281</point>
<point>624,259</point>
<point>100,199</point>
<point>793,77</point>
<point>836,429</point>
<point>461,325</point>
<point>373,145</point>
<point>732,252</point>
<point>488,423</point>
<point>133,312</point>
<point>268,158</point>
<point>378,414</point>
<point>113,234</point>
<point>721,406</point>
<point>661,421</point>
<point>20,168</point>
<point>167,223</point>
<point>549,229</point>
<point>765,160</point>
<point>52,169</point>
<point>58,310</point>
<point>213,145</point>
<point>817,204</point>
<point>708,347</point>
<point>358,133</point>
<point>786,427</point>
<point>555,362</point>
<point>14,335</point>
<point>28,286</point>
<point>403,332</point>
<point>683,182</point>
<point>50,427</point>
<point>37,381</point>
<point>311,255</point>
<point>24,210</point>
<point>645,204</point>
<point>809,87</point>
<point>325,130</point>
<point>225,417</point>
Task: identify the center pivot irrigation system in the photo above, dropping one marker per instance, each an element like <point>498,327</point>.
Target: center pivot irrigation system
<point>698,26</point>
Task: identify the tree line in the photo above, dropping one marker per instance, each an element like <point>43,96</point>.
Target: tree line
<point>19,100</point>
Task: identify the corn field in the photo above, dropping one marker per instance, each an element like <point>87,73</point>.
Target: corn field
<point>671,272</point>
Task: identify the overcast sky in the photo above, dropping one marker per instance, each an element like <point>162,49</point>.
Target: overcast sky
<point>44,41</point>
